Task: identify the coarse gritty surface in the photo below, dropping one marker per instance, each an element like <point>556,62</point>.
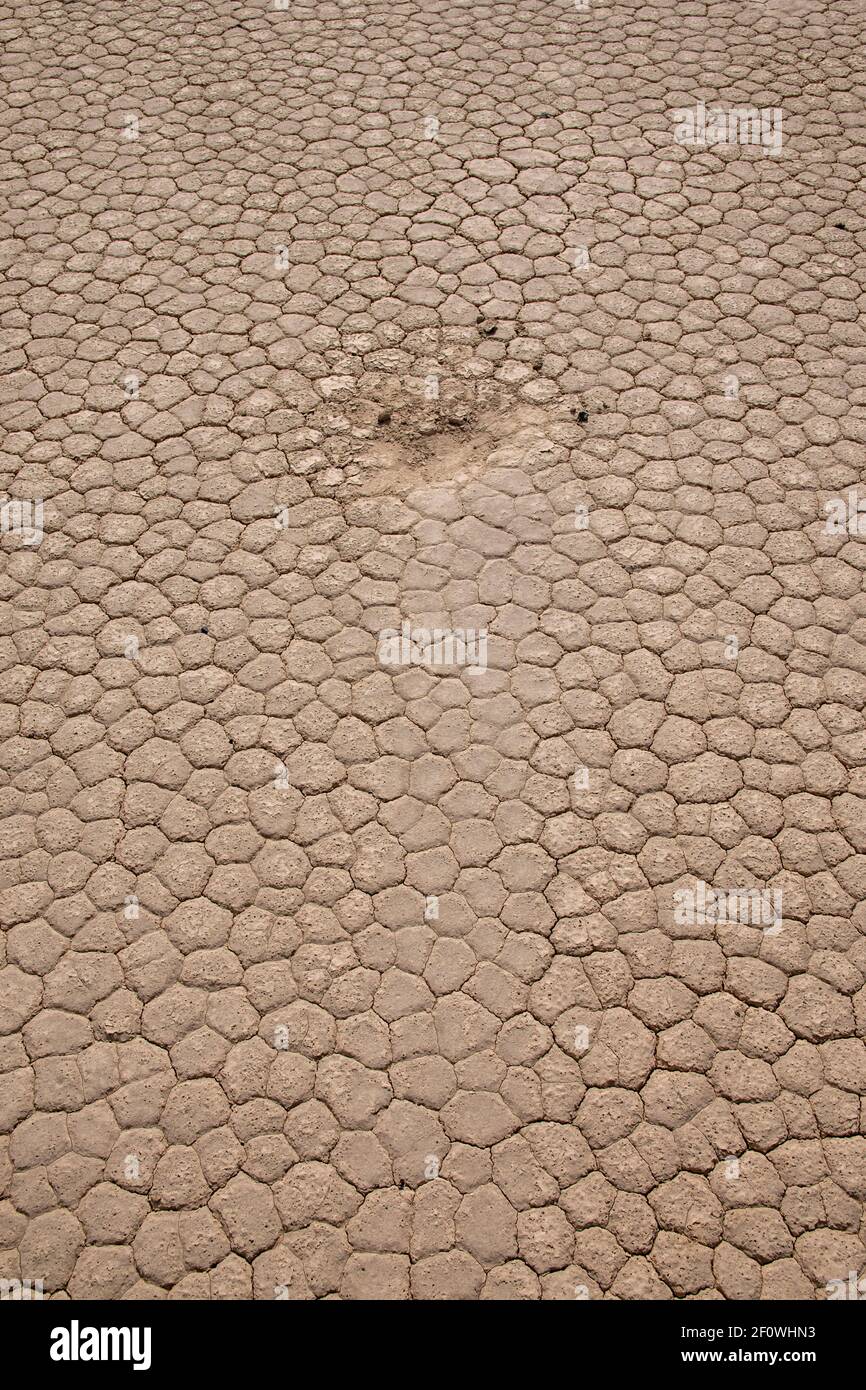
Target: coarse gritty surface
<point>322,319</point>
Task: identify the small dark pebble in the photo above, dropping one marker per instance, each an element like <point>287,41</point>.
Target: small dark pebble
<point>384,417</point>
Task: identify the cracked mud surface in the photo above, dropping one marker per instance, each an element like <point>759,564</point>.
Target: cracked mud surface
<point>322,320</point>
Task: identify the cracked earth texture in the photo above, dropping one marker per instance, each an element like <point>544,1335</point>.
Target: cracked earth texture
<point>322,320</point>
